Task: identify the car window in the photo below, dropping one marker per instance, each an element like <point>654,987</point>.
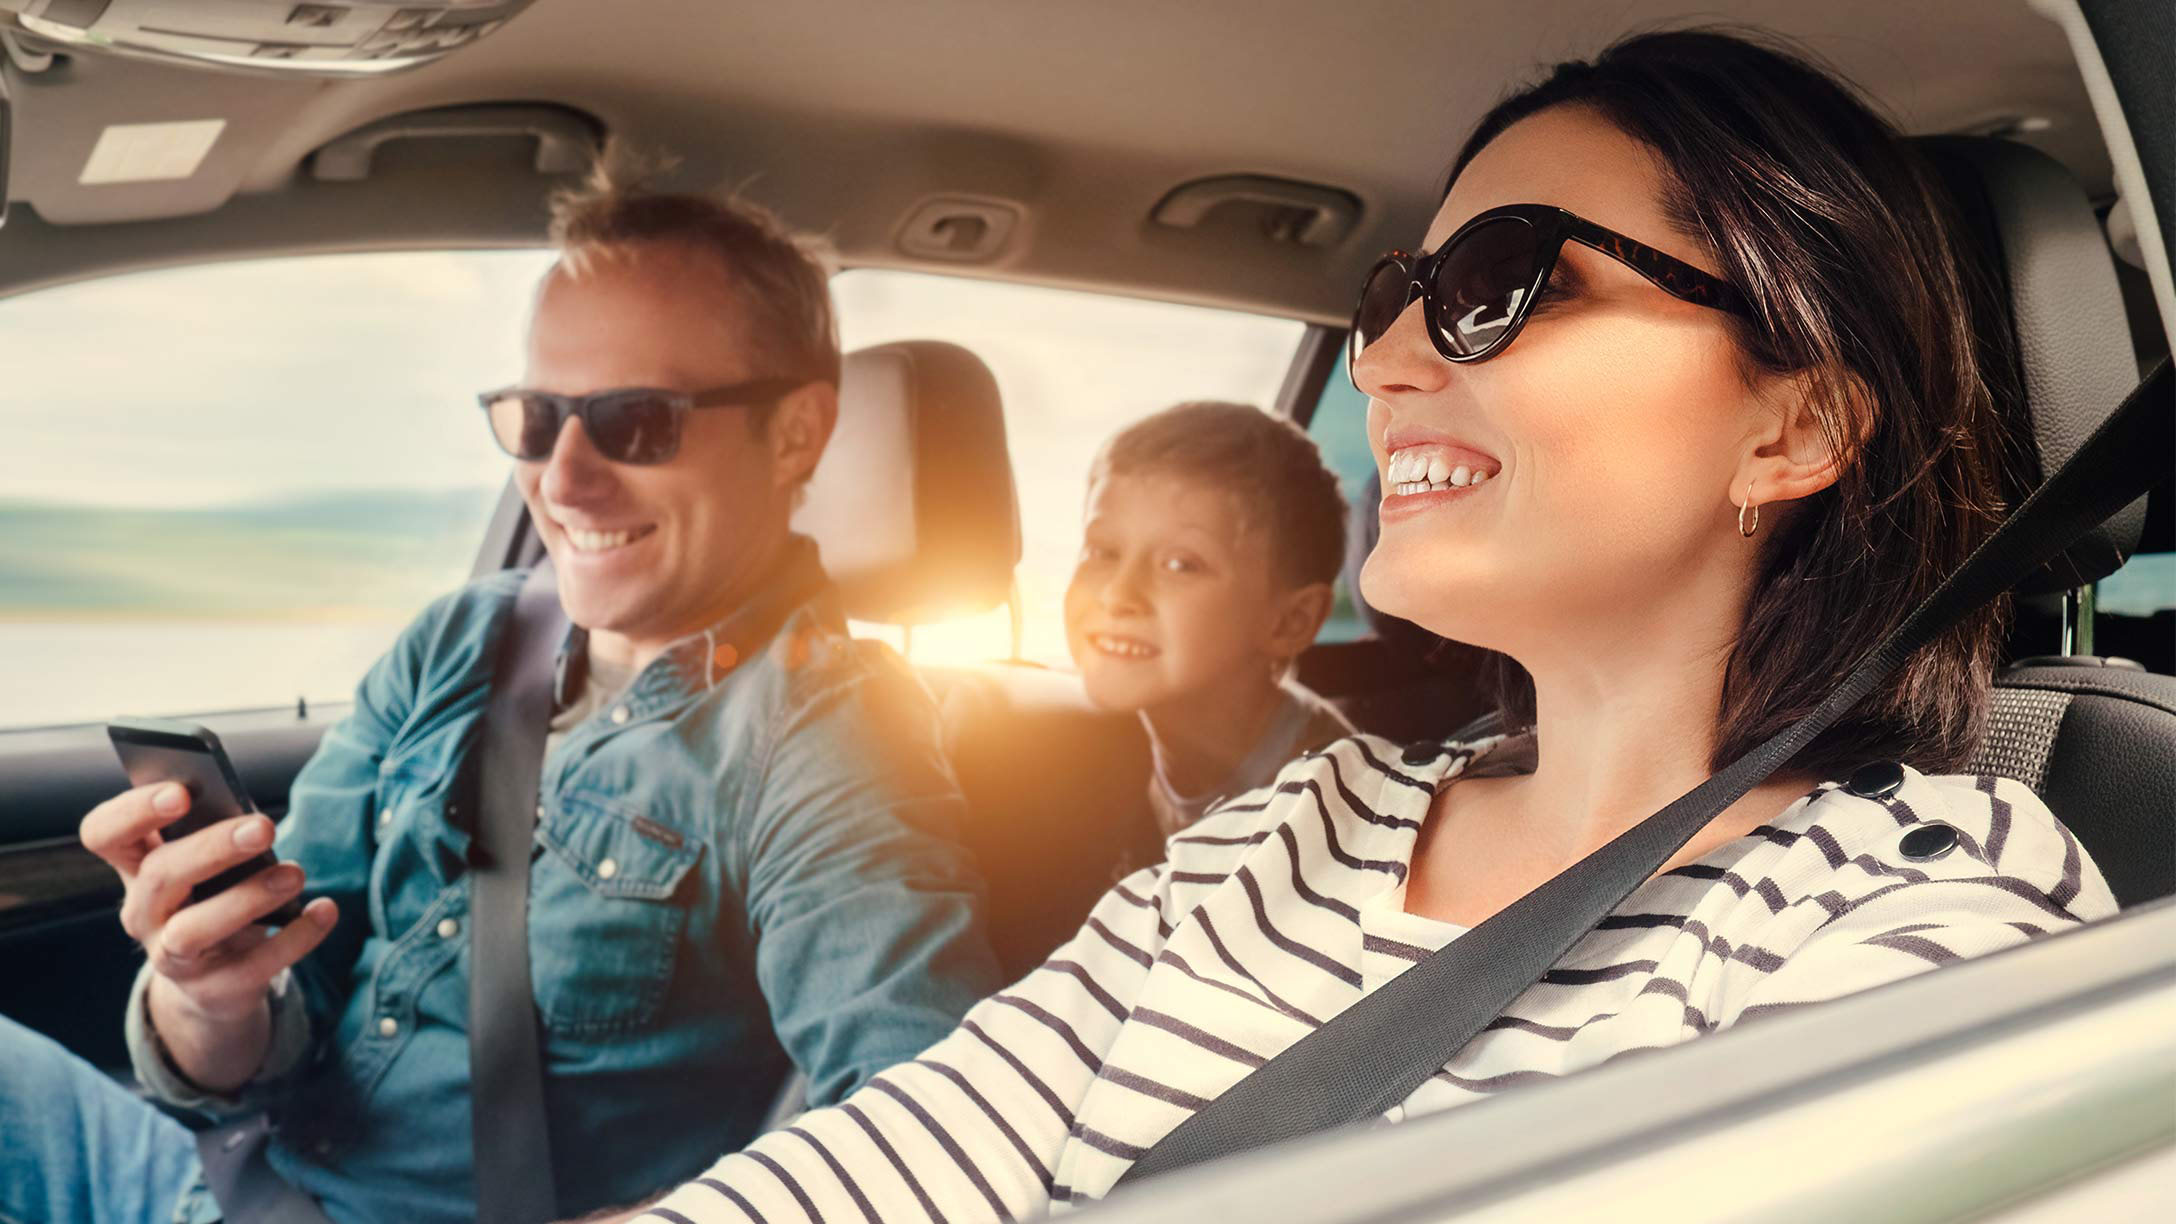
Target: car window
<point>2144,586</point>
<point>229,486</point>
<point>1340,428</point>
<point>1072,369</point>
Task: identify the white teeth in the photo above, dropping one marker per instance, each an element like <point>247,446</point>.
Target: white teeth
<point>1431,478</point>
<point>1122,648</point>
<point>598,541</point>
<point>1414,470</point>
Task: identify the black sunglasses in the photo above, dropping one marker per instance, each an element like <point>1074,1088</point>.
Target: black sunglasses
<point>626,425</point>
<point>1479,287</point>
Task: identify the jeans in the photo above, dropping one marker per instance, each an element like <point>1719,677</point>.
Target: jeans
<point>78,1148</point>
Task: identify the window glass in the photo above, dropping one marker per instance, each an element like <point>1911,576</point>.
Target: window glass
<point>1072,368</point>
<point>2144,586</point>
<point>1340,428</point>
<point>229,486</point>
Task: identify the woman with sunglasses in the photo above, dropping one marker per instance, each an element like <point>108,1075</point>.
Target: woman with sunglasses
<point>1682,411</point>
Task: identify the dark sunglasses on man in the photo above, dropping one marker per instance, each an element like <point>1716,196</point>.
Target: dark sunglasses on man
<point>1478,289</point>
<point>639,425</point>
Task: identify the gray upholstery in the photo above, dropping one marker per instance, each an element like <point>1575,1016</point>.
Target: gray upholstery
<point>2021,727</point>
<point>2102,740</point>
<point>913,506</point>
<point>2035,228</point>
<point>2096,741</point>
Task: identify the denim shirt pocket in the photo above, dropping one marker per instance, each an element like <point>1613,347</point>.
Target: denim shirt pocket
<point>606,913</point>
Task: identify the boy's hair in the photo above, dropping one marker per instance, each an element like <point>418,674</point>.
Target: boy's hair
<point>781,279</point>
<point>1267,463</point>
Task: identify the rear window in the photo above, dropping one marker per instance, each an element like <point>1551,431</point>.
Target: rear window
<point>229,486</point>
<point>1073,368</point>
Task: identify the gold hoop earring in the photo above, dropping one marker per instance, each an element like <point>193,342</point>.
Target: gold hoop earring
<point>1744,528</point>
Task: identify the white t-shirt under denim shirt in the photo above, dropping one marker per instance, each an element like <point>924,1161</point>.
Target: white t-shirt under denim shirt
<point>1286,906</point>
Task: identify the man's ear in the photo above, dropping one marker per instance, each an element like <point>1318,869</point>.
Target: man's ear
<point>801,427</point>
<point>1789,454</point>
<point>1297,616</point>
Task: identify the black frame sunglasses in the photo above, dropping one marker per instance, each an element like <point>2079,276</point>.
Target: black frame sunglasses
<point>1478,289</point>
<point>636,425</point>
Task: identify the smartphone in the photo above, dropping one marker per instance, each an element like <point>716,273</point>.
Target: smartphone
<point>162,750</point>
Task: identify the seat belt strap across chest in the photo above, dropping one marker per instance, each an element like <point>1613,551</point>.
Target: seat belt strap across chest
<point>508,1124</point>
<point>1377,1052</point>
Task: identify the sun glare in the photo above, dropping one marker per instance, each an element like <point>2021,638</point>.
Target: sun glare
<point>985,637</point>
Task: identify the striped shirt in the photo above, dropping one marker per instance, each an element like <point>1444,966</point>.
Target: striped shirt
<point>1282,908</point>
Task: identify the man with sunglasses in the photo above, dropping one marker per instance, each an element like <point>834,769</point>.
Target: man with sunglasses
<point>740,851</point>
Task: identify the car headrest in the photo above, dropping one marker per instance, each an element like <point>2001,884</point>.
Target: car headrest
<point>2031,223</point>
<point>912,507</point>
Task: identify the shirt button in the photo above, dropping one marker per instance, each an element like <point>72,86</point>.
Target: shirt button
<point>388,1026</point>
<point>619,715</point>
<point>1928,842</point>
<point>322,1147</point>
<point>540,811</point>
<point>385,818</point>
<point>448,928</point>
<point>1421,754</point>
<point>607,869</point>
<point>1879,780</point>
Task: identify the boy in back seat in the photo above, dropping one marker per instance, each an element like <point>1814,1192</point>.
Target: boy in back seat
<point>1213,535</point>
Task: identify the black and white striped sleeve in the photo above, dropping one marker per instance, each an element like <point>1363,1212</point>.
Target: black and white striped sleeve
<point>2015,873</point>
<point>973,1128</point>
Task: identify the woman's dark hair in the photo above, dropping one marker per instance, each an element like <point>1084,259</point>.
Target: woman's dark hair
<point>1832,226</point>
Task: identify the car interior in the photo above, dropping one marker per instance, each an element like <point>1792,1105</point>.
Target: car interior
<point>1236,154</point>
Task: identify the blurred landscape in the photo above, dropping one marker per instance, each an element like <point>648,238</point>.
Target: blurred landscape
<point>108,610</point>
<point>316,556</point>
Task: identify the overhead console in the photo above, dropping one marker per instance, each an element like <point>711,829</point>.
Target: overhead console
<point>273,36</point>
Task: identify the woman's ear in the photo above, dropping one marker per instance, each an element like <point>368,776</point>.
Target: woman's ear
<point>1804,431</point>
<point>800,428</point>
<point>1296,617</point>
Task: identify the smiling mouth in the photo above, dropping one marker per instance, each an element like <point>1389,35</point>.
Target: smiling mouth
<point>1122,648</point>
<point>1415,470</point>
<point>604,541</point>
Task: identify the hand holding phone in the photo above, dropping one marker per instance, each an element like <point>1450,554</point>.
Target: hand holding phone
<point>155,750</point>
<point>196,858</point>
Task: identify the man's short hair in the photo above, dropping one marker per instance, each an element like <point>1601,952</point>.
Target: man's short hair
<point>781,279</point>
<point>1266,463</point>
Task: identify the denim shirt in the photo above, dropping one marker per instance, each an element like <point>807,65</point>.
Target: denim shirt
<point>739,860</point>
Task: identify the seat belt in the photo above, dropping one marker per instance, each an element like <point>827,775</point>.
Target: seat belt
<point>1379,1051</point>
<point>508,1125</point>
